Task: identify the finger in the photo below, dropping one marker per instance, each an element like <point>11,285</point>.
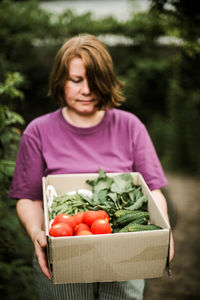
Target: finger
<point>171,256</point>
<point>171,249</point>
<point>42,261</point>
<point>45,269</point>
<point>41,255</point>
<point>42,241</point>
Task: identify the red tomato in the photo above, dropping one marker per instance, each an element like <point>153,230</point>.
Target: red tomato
<point>100,226</point>
<point>60,229</point>
<point>89,217</point>
<point>84,232</point>
<point>78,217</point>
<point>65,218</point>
<point>81,227</point>
<point>103,215</point>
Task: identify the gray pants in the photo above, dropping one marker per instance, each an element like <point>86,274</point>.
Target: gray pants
<point>126,290</point>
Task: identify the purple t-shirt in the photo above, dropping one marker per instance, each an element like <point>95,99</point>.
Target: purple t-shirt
<point>50,145</point>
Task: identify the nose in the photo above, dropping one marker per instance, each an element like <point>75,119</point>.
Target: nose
<point>85,87</point>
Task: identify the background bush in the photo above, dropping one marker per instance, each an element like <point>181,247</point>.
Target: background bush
<point>15,248</point>
<point>161,87</point>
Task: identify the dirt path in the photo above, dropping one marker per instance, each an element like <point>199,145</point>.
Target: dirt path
<point>184,196</point>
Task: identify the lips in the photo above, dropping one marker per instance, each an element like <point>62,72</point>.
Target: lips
<point>85,101</point>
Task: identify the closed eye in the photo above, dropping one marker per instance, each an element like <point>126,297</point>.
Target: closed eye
<point>76,80</point>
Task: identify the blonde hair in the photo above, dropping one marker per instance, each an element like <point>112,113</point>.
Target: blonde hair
<point>98,63</point>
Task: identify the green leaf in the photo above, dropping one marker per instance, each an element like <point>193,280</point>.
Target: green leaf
<point>101,175</point>
<point>114,198</point>
<point>102,196</point>
<point>131,194</point>
<point>139,203</point>
<point>9,87</point>
<point>122,183</point>
<point>7,167</point>
<point>13,117</point>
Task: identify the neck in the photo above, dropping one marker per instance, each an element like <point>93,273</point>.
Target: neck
<point>82,120</point>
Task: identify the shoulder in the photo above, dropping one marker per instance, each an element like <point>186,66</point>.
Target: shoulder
<point>41,124</point>
<point>126,118</point>
<point>124,115</point>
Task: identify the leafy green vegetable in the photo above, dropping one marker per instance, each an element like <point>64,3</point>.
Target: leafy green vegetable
<point>100,187</point>
<point>70,204</point>
<point>109,193</point>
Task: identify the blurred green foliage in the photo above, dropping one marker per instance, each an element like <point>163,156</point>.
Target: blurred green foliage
<point>183,90</point>
<point>158,63</point>
<point>15,248</point>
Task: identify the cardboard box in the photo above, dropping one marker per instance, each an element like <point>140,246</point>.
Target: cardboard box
<point>109,257</point>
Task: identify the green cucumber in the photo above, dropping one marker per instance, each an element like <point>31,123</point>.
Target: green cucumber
<point>141,221</point>
<point>126,219</point>
<point>139,227</point>
<point>122,212</point>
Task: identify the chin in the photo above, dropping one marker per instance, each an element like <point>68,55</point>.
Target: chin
<point>87,112</point>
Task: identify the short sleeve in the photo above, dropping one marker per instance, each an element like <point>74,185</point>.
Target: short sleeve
<point>29,170</point>
<point>146,160</point>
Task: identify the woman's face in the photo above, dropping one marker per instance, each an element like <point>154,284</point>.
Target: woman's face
<point>78,96</point>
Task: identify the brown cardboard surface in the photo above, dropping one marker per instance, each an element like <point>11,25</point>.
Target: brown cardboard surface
<point>111,257</point>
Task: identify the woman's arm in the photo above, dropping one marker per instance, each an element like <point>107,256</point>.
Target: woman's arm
<point>159,197</point>
<point>31,216</point>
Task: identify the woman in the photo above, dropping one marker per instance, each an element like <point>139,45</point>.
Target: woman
<point>86,133</point>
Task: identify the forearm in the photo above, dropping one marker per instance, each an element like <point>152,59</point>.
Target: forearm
<point>31,216</point>
<point>161,201</point>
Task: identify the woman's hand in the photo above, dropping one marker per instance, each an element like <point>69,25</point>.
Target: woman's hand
<point>31,214</point>
<point>40,245</point>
